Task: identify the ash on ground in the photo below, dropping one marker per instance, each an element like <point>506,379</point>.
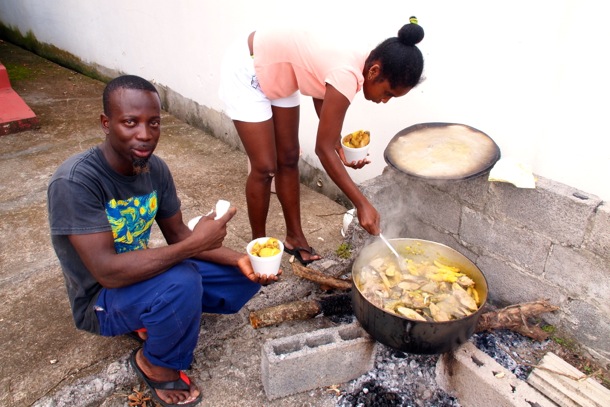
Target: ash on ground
<point>511,350</point>
<point>407,380</point>
<point>398,379</point>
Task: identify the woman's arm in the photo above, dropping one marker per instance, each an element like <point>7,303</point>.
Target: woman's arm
<point>331,112</point>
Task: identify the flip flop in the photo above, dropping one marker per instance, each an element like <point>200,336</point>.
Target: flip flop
<point>183,383</point>
<point>296,252</point>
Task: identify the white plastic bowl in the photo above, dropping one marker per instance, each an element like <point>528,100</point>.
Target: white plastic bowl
<point>265,265</point>
<point>355,154</point>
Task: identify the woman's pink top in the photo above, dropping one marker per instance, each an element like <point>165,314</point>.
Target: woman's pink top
<point>287,60</point>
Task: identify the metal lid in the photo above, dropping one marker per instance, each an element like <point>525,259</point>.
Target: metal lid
<point>442,151</point>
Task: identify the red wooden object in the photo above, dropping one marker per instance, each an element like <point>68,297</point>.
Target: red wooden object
<point>15,115</point>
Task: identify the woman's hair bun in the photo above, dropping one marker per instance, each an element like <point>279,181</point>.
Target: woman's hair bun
<point>412,33</point>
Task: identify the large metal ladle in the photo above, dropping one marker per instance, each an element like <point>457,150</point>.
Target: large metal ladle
<point>401,262</point>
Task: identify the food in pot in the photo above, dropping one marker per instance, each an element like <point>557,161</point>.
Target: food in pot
<point>429,291</point>
<point>269,248</point>
<point>357,139</point>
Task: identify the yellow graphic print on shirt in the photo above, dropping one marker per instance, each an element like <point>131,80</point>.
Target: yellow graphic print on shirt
<point>131,221</point>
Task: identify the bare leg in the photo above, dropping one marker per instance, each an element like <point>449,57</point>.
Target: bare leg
<point>287,181</point>
<point>163,374</point>
<point>259,142</point>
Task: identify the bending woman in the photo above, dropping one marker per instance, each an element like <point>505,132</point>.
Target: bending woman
<point>263,77</point>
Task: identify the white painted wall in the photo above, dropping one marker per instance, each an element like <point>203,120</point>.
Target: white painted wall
<point>531,74</point>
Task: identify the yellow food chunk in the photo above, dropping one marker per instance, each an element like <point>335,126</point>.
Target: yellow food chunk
<point>269,248</point>
<point>357,139</point>
<point>445,267</point>
<point>268,251</point>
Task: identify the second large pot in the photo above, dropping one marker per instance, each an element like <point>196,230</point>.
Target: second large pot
<point>409,335</point>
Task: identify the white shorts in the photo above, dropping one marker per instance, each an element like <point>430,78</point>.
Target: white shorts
<point>239,88</point>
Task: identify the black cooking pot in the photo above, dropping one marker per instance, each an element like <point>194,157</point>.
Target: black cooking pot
<point>406,334</point>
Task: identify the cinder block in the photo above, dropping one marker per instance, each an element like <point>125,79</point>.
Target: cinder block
<point>598,239</point>
<point>584,274</point>
<point>510,285</point>
<point>477,380</point>
<point>427,202</point>
<point>553,209</point>
<point>310,360</point>
<point>526,248</point>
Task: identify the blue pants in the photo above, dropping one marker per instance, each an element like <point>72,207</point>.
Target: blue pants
<point>170,305</point>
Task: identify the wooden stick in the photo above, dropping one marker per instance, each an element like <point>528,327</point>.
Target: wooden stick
<point>325,282</point>
<point>515,318</point>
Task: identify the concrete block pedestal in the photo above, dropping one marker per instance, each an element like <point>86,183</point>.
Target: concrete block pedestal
<point>311,360</point>
<point>477,380</point>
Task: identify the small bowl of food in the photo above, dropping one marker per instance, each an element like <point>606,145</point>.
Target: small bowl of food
<point>265,254</point>
<point>356,145</point>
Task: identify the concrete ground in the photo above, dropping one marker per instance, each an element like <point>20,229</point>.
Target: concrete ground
<point>45,361</point>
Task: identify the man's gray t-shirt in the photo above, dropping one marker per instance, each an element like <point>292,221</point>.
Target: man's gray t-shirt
<point>86,195</point>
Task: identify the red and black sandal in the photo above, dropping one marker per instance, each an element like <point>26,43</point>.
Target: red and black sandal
<point>183,383</point>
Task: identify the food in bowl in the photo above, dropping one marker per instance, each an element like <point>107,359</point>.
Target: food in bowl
<point>357,139</point>
<point>269,248</point>
<point>430,291</point>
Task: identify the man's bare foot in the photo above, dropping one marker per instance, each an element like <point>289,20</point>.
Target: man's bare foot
<point>163,374</point>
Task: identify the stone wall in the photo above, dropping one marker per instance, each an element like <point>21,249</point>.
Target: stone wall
<point>551,242</point>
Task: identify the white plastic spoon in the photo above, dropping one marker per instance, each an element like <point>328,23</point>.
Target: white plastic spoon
<point>401,262</point>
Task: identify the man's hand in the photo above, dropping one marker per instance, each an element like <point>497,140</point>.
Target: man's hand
<point>246,268</point>
<point>210,233</point>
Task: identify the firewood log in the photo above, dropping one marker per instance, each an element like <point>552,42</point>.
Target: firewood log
<point>301,310</point>
<point>326,282</point>
<point>515,318</point>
